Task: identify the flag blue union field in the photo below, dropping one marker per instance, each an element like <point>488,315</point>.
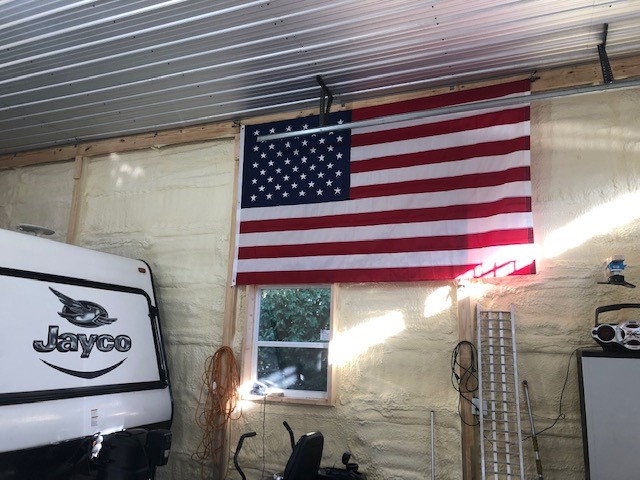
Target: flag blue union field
<point>298,170</point>
<point>438,198</point>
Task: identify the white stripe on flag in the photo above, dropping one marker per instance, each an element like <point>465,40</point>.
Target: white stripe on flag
<point>391,231</point>
<point>440,142</point>
<point>495,163</point>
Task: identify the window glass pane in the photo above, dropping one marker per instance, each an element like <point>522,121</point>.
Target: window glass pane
<point>294,314</point>
<point>291,368</point>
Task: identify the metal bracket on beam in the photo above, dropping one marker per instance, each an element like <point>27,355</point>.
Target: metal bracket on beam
<point>607,74</point>
<point>326,99</point>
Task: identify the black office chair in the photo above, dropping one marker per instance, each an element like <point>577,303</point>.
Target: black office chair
<point>304,462</point>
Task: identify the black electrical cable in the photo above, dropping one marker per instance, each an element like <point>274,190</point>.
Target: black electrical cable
<point>561,415</point>
<point>264,433</point>
<point>467,381</point>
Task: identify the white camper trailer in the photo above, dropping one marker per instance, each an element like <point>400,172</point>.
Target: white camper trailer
<point>82,363</point>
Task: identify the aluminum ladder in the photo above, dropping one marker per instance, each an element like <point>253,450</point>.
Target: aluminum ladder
<point>500,432</point>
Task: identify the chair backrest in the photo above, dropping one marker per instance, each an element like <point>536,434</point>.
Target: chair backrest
<point>304,462</point>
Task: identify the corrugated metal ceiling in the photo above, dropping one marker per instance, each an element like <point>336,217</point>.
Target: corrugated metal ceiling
<point>80,70</point>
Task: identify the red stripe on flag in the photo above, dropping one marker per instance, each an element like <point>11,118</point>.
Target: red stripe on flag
<point>452,212</point>
<point>487,149</point>
<point>476,180</point>
<point>443,100</point>
<point>505,117</point>
<point>396,245</point>
<point>365,275</point>
<point>353,275</point>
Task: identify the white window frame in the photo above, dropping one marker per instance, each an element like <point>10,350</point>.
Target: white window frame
<point>251,344</point>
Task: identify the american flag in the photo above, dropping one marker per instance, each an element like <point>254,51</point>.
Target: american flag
<point>437,198</point>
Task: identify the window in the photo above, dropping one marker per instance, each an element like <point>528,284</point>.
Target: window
<point>288,343</point>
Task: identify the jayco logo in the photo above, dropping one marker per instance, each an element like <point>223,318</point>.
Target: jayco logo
<point>82,313</point>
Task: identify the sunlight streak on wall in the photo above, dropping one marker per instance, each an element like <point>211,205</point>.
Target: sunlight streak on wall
<point>598,221</point>
<point>246,404</point>
<point>437,301</point>
<point>509,259</point>
<point>473,289</point>
<point>347,346</point>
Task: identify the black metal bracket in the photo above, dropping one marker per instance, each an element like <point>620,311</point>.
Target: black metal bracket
<point>607,74</point>
<point>326,99</point>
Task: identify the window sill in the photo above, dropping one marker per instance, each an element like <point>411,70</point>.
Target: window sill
<point>283,399</point>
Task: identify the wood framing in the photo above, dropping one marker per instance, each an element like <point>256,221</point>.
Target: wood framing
<point>229,328</point>
<point>74,211</point>
<point>221,458</point>
<point>200,133</point>
<point>466,333</point>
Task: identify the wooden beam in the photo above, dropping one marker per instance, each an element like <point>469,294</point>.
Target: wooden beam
<point>229,328</point>
<point>248,333</point>
<point>545,80</point>
<point>466,333</point>
<point>221,457</point>
<point>74,211</point>
<point>200,133</point>
<point>584,74</point>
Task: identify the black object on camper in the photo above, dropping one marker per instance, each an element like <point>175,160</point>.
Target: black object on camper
<point>133,454</point>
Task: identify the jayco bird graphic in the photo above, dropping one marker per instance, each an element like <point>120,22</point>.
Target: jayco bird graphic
<point>83,313</point>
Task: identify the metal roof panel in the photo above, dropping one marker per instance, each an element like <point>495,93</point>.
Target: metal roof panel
<point>75,70</point>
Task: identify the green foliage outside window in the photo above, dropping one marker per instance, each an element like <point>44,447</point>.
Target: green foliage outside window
<point>294,315</point>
